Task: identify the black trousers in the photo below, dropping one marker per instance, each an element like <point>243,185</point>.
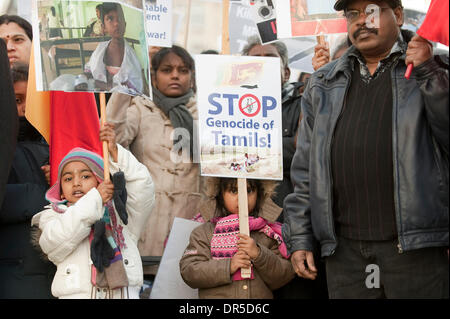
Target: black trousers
<point>375,269</point>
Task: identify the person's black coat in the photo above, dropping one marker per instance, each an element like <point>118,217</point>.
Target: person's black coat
<point>24,271</point>
<point>291,109</point>
<point>8,119</point>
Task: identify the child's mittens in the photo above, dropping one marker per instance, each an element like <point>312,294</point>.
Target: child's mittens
<point>101,250</point>
<point>120,196</point>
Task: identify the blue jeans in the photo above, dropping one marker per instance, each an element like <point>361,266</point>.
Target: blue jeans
<point>375,269</point>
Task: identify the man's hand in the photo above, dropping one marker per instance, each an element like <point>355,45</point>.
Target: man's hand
<point>419,51</point>
<point>298,260</point>
<point>321,56</point>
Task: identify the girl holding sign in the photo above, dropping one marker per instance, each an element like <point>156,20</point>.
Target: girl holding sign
<point>216,251</point>
<point>159,133</point>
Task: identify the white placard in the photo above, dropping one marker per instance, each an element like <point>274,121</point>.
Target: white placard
<point>168,282</point>
<point>239,103</point>
<point>158,22</point>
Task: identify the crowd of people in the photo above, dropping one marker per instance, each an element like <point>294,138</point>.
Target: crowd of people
<point>365,180</point>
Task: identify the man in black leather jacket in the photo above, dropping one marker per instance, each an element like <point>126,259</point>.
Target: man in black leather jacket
<point>370,171</point>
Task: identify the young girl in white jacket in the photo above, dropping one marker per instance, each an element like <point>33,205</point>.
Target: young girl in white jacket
<point>81,198</point>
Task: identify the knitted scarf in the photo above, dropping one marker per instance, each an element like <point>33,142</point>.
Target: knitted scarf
<point>225,237</point>
<point>175,109</point>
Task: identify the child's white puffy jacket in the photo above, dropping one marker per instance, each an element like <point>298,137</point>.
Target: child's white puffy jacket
<point>65,237</point>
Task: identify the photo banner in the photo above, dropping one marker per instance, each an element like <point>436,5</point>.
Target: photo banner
<point>239,105</point>
<point>265,18</point>
<point>301,18</point>
<point>80,47</point>
<point>158,22</point>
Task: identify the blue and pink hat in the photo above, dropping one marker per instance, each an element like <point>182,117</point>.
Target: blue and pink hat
<point>78,154</point>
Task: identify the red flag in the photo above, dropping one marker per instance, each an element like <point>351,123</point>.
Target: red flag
<point>74,122</point>
<point>435,26</point>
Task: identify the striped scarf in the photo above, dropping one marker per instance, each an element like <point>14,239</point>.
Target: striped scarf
<point>226,235</point>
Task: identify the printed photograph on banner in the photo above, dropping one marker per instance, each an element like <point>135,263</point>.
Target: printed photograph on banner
<point>93,46</point>
<point>265,17</point>
<point>312,17</point>
<point>239,118</point>
<point>158,22</point>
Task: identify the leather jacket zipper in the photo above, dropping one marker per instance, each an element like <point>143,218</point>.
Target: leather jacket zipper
<point>394,160</point>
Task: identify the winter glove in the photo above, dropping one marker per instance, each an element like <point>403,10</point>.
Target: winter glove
<point>120,196</point>
<point>101,250</point>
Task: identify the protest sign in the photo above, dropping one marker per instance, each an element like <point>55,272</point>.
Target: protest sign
<point>241,26</point>
<point>239,102</point>
<point>79,47</point>
<point>265,18</point>
<point>168,282</point>
<point>298,18</point>
<point>158,22</point>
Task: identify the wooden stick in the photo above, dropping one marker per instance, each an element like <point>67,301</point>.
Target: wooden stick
<point>105,144</point>
<point>225,27</point>
<point>243,217</point>
<point>188,22</point>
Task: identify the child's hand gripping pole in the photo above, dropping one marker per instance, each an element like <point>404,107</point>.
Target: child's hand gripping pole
<point>105,143</point>
<point>243,218</point>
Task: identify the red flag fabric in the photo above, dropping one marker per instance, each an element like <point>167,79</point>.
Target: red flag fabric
<point>435,26</point>
<point>74,122</point>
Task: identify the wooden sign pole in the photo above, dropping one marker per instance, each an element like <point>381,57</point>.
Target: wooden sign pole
<point>188,22</point>
<point>243,217</point>
<point>225,27</point>
<point>105,144</point>
<point>244,227</point>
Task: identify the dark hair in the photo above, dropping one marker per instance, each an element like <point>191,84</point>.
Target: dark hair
<point>278,45</point>
<point>209,52</point>
<point>19,73</point>
<point>226,184</point>
<point>106,8</point>
<point>181,52</point>
<point>21,22</point>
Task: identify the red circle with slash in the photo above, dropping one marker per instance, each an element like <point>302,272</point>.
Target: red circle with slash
<point>248,108</point>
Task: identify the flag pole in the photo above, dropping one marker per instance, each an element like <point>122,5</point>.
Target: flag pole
<point>105,143</point>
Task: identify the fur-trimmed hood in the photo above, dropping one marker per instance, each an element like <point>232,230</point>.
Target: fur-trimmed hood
<point>269,211</point>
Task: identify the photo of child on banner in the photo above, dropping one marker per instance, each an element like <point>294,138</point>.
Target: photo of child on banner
<point>101,48</point>
<point>240,121</point>
<point>300,18</point>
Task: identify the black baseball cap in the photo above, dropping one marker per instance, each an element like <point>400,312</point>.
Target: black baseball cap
<point>342,4</point>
